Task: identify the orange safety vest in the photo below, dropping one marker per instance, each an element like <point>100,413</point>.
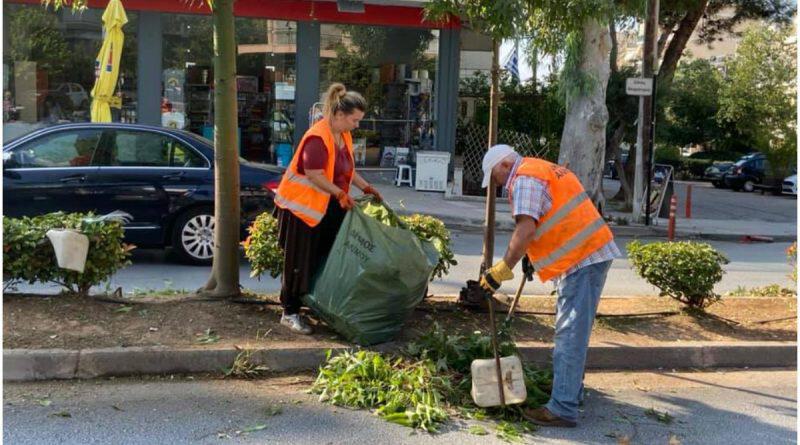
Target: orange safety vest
<point>571,230</point>
<point>296,192</point>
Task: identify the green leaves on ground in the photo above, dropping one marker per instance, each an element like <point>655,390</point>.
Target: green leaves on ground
<point>425,385</point>
<point>208,337</point>
<point>663,417</point>
<point>478,430</point>
<point>403,392</point>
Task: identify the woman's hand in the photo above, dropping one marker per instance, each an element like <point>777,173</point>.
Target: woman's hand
<point>345,201</point>
<point>370,190</point>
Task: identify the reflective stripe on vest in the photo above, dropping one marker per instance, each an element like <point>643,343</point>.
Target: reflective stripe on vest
<point>570,245</point>
<point>302,180</point>
<point>291,205</point>
<point>559,215</point>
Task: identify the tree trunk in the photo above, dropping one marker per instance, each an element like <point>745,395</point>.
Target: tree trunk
<point>224,279</point>
<point>612,32</point>
<point>583,141</point>
<point>625,190</point>
<point>676,46</point>
<point>662,40</point>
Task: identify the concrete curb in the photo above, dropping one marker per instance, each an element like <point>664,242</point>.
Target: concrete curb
<point>46,364</point>
<point>632,231</point>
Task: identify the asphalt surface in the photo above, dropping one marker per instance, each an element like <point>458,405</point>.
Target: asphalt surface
<point>704,408</point>
<point>713,203</point>
<point>751,265</point>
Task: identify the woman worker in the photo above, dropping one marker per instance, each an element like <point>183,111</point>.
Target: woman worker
<point>313,197</point>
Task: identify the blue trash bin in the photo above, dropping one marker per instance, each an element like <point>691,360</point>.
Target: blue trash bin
<point>283,152</point>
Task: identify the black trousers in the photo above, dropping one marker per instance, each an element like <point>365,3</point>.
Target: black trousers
<point>305,248</point>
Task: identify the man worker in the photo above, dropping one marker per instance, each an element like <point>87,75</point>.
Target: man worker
<point>566,240</point>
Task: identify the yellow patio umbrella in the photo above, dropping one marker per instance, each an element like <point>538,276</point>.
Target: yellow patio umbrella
<point>106,66</point>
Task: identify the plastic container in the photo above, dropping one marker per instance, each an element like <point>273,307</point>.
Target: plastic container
<point>284,154</point>
<point>71,248</point>
<point>432,171</point>
<point>485,392</point>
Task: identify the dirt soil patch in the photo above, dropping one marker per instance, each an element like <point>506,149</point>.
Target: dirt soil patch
<point>69,322</point>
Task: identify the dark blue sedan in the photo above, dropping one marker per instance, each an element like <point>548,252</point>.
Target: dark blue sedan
<point>161,176</point>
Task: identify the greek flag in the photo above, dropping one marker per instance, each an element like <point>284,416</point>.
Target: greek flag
<point>512,63</point>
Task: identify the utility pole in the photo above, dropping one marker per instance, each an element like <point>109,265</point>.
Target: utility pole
<point>644,139</point>
<point>491,192</point>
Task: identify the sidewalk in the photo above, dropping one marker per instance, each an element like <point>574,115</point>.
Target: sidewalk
<point>467,213</point>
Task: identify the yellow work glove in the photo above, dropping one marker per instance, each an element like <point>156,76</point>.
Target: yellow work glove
<point>495,276</point>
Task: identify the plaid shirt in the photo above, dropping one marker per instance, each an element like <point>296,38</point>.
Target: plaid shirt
<point>531,197</point>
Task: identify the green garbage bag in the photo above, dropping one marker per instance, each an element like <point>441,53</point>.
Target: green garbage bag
<point>375,275</point>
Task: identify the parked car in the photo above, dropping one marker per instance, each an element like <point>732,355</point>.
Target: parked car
<point>76,94</point>
<point>747,173</point>
<point>789,185</point>
<point>163,177</point>
<point>717,171</point>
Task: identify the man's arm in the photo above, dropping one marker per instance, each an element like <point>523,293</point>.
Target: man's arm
<point>523,235</point>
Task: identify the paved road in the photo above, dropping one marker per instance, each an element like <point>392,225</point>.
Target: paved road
<point>751,265</point>
<point>712,203</point>
<point>708,408</point>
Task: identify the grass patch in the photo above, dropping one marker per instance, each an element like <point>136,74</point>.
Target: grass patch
<point>772,290</point>
<point>244,367</point>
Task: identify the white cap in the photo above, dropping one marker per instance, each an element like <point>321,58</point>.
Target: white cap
<point>494,156</point>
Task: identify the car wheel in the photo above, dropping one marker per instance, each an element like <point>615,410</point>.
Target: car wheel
<point>193,236</point>
<point>748,186</point>
<point>716,184</point>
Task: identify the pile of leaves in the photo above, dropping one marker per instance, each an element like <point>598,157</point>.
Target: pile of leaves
<point>403,392</point>
<point>428,383</point>
<point>427,228</point>
<point>266,255</point>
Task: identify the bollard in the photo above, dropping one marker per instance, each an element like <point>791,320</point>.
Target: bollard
<point>688,210</point>
<point>673,206</point>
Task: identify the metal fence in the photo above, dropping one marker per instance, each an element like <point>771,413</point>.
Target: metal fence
<point>471,145</point>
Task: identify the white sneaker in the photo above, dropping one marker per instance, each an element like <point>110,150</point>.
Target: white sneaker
<point>296,324</point>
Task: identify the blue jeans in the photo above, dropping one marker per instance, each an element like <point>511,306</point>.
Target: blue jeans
<point>578,297</point>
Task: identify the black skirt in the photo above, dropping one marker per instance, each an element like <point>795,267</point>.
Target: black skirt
<point>305,248</point>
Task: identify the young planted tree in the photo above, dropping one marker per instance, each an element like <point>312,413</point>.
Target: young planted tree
<point>499,19</point>
<point>224,279</point>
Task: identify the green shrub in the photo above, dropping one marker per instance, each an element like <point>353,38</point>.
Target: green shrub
<point>262,248</point>
<point>668,155</point>
<point>28,255</point>
<point>266,256</point>
<point>686,271</point>
<point>696,168</point>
